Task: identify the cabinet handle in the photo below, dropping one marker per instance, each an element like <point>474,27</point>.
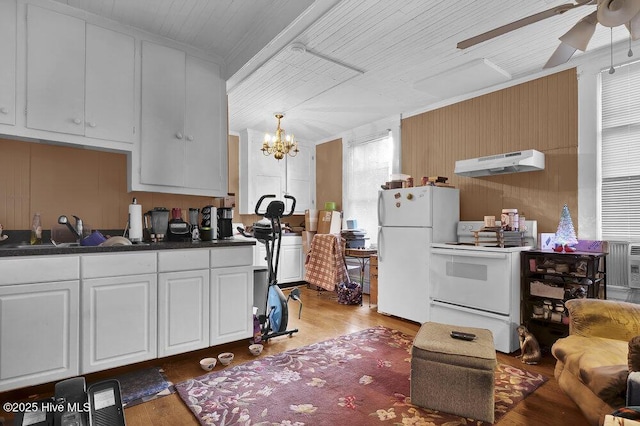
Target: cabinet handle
<point>179,135</point>
<point>3,110</point>
<point>91,124</point>
<point>190,138</point>
<point>77,121</point>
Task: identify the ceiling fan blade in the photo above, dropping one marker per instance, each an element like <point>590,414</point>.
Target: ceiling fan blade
<point>562,54</point>
<point>558,10</point>
<point>580,34</point>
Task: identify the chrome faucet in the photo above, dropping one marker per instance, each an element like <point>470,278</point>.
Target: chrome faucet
<point>77,230</point>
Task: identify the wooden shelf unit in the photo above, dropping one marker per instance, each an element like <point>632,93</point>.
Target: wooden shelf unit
<point>554,278</point>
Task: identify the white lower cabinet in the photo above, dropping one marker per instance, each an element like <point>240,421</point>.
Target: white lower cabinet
<point>291,263</point>
<point>119,313</point>
<point>231,298</point>
<point>67,315</point>
<point>183,301</point>
<point>38,333</point>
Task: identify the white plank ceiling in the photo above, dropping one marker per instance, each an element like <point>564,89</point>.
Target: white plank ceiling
<point>365,59</point>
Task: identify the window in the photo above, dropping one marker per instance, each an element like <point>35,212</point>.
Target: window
<point>620,153</point>
<point>367,166</point>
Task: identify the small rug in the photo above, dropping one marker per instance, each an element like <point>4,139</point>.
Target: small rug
<point>357,379</point>
<point>144,385</point>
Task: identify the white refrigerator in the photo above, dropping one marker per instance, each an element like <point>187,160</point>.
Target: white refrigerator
<point>409,220</point>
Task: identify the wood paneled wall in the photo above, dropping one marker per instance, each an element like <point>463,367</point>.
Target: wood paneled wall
<point>329,173</point>
<point>57,180</point>
<point>541,114</point>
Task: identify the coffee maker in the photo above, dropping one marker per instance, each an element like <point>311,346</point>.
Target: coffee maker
<point>225,225</point>
<point>209,224</point>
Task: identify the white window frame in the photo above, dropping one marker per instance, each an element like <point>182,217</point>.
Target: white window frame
<point>628,211</point>
<point>385,137</point>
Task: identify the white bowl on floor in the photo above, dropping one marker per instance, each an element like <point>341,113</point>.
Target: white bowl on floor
<point>225,358</point>
<point>207,364</point>
<point>256,349</point>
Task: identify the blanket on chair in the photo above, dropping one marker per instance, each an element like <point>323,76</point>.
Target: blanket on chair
<point>324,265</point>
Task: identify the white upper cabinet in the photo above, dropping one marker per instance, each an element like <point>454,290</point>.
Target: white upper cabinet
<point>55,71</point>
<point>205,127</point>
<point>301,178</point>
<point>261,175</point>
<point>8,62</point>
<point>183,128</point>
<point>163,104</point>
<point>80,77</point>
<point>110,85</point>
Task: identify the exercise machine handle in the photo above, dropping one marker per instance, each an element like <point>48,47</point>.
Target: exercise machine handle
<point>293,205</point>
<point>261,200</point>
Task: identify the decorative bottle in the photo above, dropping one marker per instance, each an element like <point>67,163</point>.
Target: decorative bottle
<point>36,230</point>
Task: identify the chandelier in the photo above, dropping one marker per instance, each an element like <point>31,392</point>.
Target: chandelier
<point>279,144</point>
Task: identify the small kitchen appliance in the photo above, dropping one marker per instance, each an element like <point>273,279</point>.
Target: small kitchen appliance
<point>159,218</point>
<point>225,225</point>
<point>193,223</point>
<point>178,228</point>
<point>209,224</point>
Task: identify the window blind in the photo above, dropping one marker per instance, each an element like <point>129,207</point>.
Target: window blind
<point>620,153</point>
<point>367,167</point>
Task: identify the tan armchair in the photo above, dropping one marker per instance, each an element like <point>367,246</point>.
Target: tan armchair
<point>592,362</point>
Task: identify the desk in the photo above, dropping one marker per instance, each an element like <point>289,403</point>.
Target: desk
<point>363,256</point>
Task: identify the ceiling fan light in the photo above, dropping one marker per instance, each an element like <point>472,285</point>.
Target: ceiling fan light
<point>562,54</point>
<point>612,13</point>
<point>634,27</point>
<point>580,34</point>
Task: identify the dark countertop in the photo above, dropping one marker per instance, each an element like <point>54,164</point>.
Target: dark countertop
<point>10,249</point>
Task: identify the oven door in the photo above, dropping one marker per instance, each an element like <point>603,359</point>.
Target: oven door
<point>471,278</point>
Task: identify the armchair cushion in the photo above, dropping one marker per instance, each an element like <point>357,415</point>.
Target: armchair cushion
<point>604,318</point>
<point>599,363</point>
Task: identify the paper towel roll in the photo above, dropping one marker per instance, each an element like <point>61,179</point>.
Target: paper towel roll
<point>135,222</point>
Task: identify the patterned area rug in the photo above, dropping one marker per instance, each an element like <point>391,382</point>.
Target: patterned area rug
<point>144,385</point>
<point>357,379</point>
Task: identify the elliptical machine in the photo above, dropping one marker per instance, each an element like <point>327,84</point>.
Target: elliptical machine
<point>274,322</point>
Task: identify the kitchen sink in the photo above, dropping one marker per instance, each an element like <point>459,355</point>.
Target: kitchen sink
<point>26,245</point>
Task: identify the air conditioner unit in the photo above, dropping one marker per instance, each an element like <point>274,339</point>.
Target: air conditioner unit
<point>513,162</point>
<point>634,265</point>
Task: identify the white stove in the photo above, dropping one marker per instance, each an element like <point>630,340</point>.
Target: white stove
<point>478,285</point>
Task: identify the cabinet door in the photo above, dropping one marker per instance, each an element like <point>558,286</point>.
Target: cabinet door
<point>55,71</point>
<point>291,263</point>
<point>183,312</point>
<point>119,321</point>
<point>259,174</point>
<point>38,333</point>
<point>231,308</point>
<point>301,178</point>
<point>162,150</point>
<point>205,127</point>
<point>110,80</point>
<point>8,62</point>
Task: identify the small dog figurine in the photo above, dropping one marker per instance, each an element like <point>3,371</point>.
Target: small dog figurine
<point>529,346</point>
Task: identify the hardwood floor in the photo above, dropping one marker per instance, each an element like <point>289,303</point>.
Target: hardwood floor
<point>322,318</point>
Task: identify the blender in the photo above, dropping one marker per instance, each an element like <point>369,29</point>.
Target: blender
<point>193,222</point>
<point>178,228</point>
<point>159,222</point>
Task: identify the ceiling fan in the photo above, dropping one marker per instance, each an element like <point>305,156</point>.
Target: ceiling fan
<point>609,13</point>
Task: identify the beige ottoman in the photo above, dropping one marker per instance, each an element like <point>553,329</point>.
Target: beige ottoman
<point>452,375</point>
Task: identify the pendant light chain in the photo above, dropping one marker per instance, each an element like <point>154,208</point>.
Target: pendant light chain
<point>612,70</point>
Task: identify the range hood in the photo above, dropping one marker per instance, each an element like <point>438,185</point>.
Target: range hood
<point>512,162</point>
